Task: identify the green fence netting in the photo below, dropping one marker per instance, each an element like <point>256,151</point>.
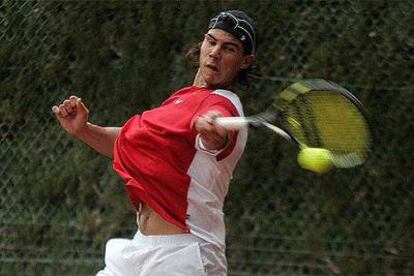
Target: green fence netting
<point>60,201</point>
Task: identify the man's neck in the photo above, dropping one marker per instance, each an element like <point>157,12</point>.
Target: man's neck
<point>200,82</point>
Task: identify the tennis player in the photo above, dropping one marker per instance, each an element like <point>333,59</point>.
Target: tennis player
<point>176,163</point>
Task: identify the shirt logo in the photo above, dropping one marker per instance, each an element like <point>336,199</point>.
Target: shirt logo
<point>178,101</point>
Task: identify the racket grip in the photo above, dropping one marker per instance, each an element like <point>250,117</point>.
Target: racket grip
<point>232,123</point>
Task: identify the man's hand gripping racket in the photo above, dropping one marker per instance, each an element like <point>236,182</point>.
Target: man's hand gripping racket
<point>325,120</point>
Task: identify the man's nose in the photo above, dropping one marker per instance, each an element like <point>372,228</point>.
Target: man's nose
<point>215,51</point>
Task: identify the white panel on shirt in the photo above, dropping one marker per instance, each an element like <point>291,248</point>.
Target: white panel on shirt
<point>209,185</point>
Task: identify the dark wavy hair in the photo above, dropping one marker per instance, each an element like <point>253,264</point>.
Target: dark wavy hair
<point>244,77</point>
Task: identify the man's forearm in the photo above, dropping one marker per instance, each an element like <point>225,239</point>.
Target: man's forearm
<point>101,139</point>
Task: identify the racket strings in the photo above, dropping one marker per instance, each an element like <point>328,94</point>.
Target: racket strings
<point>305,116</point>
<point>328,120</point>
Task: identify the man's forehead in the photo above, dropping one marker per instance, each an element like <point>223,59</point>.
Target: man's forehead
<point>223,35</point>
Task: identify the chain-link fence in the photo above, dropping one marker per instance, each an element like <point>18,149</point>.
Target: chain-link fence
<point>60,201</point>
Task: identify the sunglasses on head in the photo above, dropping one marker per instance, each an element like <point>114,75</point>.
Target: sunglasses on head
<point>242,29</point>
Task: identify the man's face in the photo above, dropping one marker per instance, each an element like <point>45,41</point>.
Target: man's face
<point>221,58</point>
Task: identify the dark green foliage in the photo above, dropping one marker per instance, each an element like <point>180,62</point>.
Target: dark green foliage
<point>60,201</point>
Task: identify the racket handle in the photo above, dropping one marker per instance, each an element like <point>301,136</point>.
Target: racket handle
<point>232,123</point>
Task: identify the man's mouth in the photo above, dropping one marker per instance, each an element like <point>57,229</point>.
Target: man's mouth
<point>212,67</point>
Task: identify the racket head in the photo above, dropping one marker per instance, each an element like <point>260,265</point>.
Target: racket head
<point>322,114</point>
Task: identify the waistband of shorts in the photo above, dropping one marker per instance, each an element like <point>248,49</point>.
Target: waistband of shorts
<point>178,239</point>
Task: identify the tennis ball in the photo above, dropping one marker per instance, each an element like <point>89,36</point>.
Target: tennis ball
<point>315,159</point>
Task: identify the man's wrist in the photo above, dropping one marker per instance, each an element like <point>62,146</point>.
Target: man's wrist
<point>83,131</point>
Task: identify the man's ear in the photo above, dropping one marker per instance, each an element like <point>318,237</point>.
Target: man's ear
<point>247,61</point>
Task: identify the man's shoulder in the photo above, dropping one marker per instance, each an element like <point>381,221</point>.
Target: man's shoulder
<point>225,92</point>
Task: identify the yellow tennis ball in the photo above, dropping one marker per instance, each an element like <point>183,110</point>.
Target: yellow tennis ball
<point>315,159</point>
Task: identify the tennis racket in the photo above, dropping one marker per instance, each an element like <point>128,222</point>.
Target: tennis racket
<point>316,114</point>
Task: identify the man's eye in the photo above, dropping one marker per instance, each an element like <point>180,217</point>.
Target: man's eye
<point>230,49</point>
<point>211,42</point>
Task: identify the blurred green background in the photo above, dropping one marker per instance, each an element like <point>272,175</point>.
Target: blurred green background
<point>60,201</point>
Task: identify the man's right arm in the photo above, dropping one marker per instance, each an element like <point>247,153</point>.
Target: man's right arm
<point>101,139</point>
<point>73,116</point>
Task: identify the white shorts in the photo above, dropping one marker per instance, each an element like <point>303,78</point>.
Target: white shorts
<point>182,254</point>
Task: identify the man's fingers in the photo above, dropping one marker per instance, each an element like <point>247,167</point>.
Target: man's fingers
<point>68,106</point>
<point>212,135</point>
<point>81,105</point>
<point>204,124</point>
<point>63,111</point>
<point>73,100</point>
<point>55,110</point>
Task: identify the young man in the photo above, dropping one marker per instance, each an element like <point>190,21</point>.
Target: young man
<point>176,162</point>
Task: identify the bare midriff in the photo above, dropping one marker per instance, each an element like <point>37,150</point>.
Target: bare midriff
<point>151,223</point>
